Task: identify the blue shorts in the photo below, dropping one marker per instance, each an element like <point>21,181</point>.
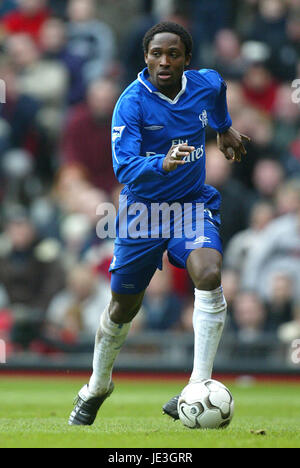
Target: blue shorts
<point>136,258</point>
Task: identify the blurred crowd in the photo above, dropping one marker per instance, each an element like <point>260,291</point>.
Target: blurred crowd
<point>64,64</point>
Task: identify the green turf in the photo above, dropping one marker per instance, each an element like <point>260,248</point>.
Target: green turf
<point>34,413</point>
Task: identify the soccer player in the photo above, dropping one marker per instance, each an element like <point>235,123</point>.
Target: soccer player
<point>158,146</point>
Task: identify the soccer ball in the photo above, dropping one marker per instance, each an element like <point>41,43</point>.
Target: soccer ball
<point>205,405</point>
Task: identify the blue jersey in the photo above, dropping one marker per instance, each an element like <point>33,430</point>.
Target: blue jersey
<point>146,124</point>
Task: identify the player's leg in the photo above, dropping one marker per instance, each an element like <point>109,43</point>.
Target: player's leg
<point>204,267</point>
<point>113,329</point>
<point>114,326</point>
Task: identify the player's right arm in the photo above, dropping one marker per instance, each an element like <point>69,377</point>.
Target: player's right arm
<point>230,141</point>
<point>129,165</point>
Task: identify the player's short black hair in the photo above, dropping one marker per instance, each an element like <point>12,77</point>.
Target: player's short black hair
<point>170,27</point>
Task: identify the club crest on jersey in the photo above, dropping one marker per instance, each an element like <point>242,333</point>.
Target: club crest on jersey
<point>203,118</point>
<point>117,132</point>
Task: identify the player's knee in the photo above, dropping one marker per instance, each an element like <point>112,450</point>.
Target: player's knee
<point>122,311</point>
<point>208,278</point>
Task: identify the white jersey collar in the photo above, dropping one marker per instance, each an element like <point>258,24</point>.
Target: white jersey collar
<point>152,89</point>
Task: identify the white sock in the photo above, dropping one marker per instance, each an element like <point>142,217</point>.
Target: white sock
<point>208,321</point>
<point>109,340</point>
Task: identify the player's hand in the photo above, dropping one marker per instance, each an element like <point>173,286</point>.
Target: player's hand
<point>175,155</point>
<point>231,143</point>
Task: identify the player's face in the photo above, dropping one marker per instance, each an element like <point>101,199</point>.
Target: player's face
<point>166,59</point>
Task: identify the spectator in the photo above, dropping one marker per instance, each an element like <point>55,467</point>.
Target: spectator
<point>90,39</point>
<point>69,214</point>
<point>236,99</point>
<point>186,322</point>
<point>74,311</point>
<point>260,88</point>
<point>162,9</point>
<point>33,72</point>
<point>293,29</point>
<point>132,54</point>
<point>259,127</point>
<point>228,60</point>
<point>277,250</point>
<point>244,16</point>
<point>293,5</point>
<point>19,112</point>
<point>238,247</point>
<point>230,284</point>
<point>162,305</point>
<point>269,25</point>
<point>6,6</point>
<point>249,317</point>
<point>70,180</point>
<point>249,327</point>
<point>86,138</point>
<point>53,43</point>
<point>58,8</point>
<point>27,262</point>
<point>287,197</point>
<point>49,208</point>
<point>19,179</point>
<point>6,320</point>
<point>30,274</point>
<point>209,18</point>
<point>181,282</point>
<point>286,116</point>
<point>27,19</point>
<point>294,162</point>
<point>284,58</point>
<point>290,331</point>
<point>236,199</point>
<point>268,174</point>
<point>78,229</point>
<point>280,303</point>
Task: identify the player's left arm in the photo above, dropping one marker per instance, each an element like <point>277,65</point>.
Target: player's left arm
<point>230,141</point>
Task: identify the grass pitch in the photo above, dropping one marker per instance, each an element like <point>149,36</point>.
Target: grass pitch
<point>34,413</point>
